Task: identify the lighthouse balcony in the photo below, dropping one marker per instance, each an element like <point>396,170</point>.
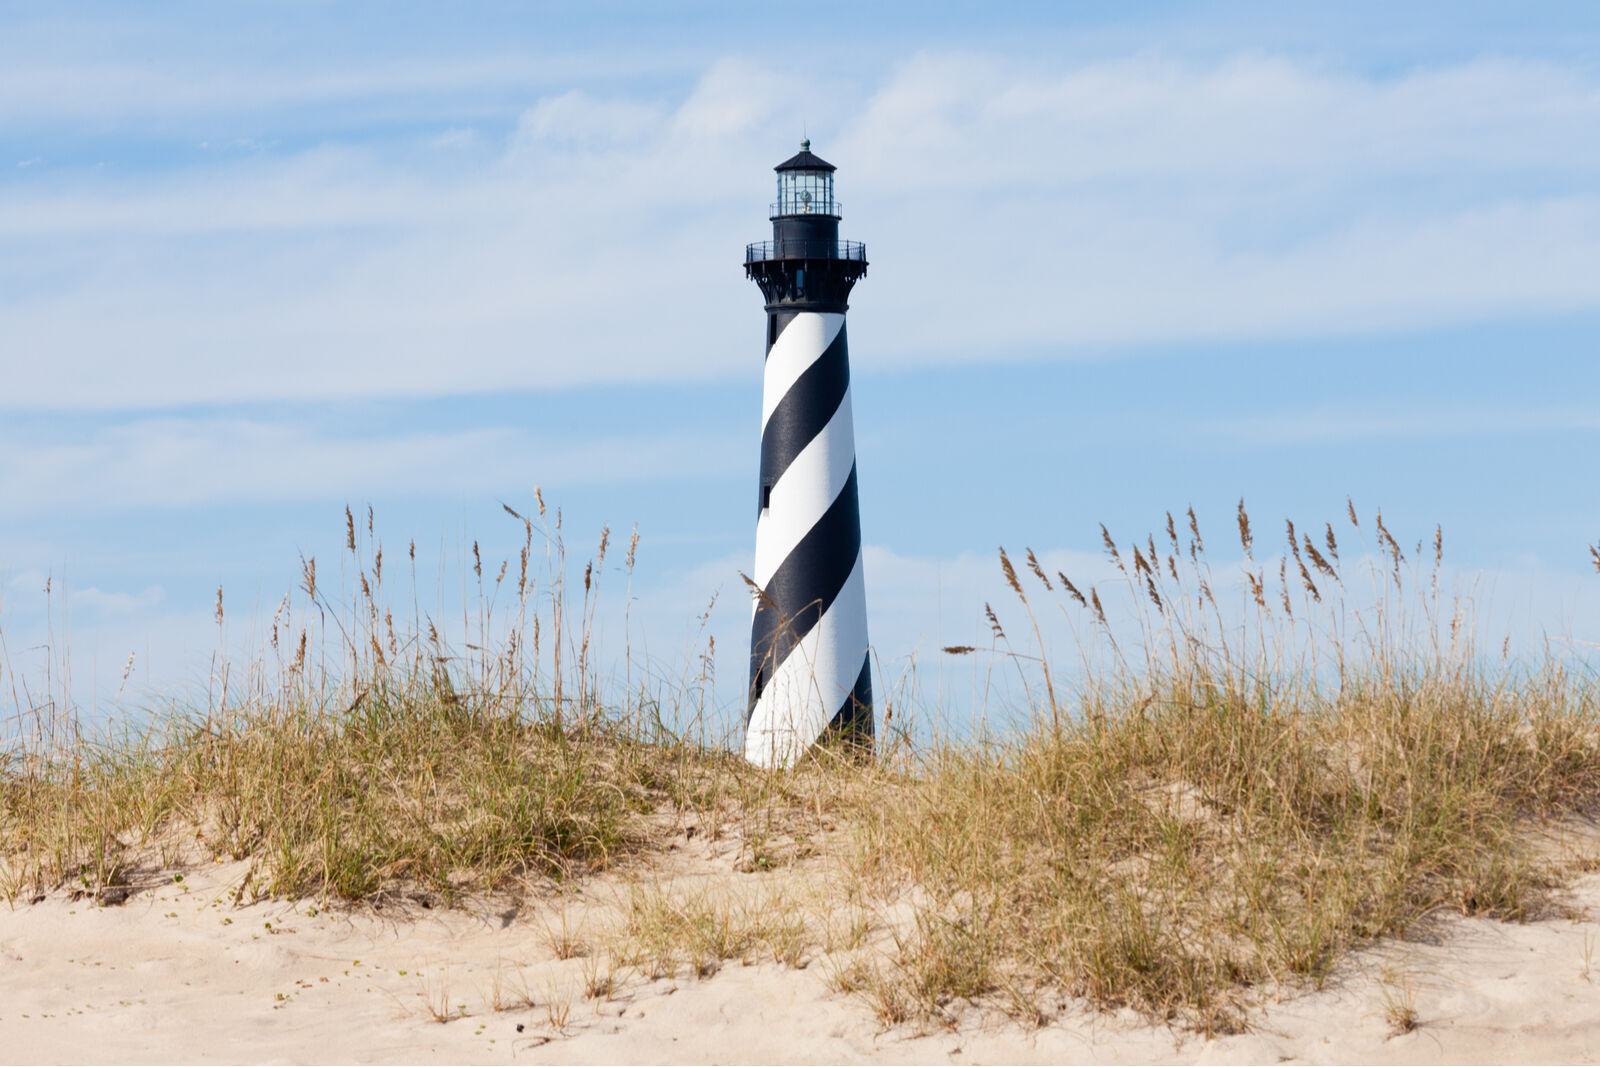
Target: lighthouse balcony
<point>763,251</point>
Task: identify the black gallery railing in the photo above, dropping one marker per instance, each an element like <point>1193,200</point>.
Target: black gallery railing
<point>765,250</point>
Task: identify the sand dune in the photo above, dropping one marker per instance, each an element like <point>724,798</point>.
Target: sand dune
<point>179,973</point>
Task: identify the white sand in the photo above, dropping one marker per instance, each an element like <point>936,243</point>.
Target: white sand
<point>177,974</point>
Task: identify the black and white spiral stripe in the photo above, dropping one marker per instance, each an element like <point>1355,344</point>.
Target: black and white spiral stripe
<point>808,647</point>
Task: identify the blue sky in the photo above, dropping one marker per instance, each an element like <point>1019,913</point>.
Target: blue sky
<point>258,261</point>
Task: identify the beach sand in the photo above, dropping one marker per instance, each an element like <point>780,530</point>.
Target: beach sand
<point>179,973</point>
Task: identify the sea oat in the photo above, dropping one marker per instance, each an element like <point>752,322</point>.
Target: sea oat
<point>994,621</point>
<point>1111,547</point>
<point>1011,574</point>
<point>1038,571</point>
<point>1318,560</point>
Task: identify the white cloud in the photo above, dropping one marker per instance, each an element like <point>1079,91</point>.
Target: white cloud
<point>965,121</point>
<point>1330,424</point>
<point>460,137</point>
<point>117,603</point>
<point>581,119</point>
<point>168,463</point>
<point>735,97</point>
<point>1011,211</point>
<point>185,87</point>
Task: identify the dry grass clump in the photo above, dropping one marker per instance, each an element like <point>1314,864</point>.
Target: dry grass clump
<point>1240,806</point>
<point>668,929</point>
<point>361,759</point>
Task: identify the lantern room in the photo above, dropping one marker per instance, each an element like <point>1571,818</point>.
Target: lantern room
<point>805,185</point>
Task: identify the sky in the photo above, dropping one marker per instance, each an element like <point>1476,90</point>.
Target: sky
<point>261,261</point>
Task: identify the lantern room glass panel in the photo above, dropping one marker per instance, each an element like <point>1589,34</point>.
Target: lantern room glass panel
<point>805,192</point>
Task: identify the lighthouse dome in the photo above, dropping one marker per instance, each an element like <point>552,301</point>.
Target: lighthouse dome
<point>805,185</point>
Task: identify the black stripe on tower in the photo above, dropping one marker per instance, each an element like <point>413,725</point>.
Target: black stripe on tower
<point>805,410</point>
<point>853,722</point>
<point>804,587</point>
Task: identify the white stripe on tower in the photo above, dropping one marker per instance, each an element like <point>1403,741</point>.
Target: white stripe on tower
<point>801,344</point>
<point>809,632</point>
<point>810,687</point>
<point>812,481</point>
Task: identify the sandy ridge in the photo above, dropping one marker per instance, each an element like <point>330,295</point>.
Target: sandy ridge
<point>178,973</point>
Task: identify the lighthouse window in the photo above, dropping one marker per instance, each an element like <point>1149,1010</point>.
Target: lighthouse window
<point>805,192</point>
<point>766,497</point>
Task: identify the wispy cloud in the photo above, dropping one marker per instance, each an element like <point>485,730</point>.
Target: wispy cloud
<point>1120,202</point>
<point>1345,424</point>
<point>39,92</point>
<point>174,463</point>
<point>977,121</point>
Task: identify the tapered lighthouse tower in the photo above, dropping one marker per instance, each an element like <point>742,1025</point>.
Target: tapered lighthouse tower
<point>808,644</point>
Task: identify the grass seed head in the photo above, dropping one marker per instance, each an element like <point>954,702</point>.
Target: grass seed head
<point>1197,546</point>
<point>1038,571</point>
<point>1010,573</point>
<point>994,622</point>
<point>1072,590</point>
<point>1111,548</point>
<point>1318,560</point>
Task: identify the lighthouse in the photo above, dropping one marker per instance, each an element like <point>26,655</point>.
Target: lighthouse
<point>809,673</point>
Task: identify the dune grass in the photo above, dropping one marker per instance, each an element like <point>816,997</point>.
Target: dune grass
<point>1214,793</point>
<point>1237,802</point>
<point>1198,839</point>
<point>357,761</point>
